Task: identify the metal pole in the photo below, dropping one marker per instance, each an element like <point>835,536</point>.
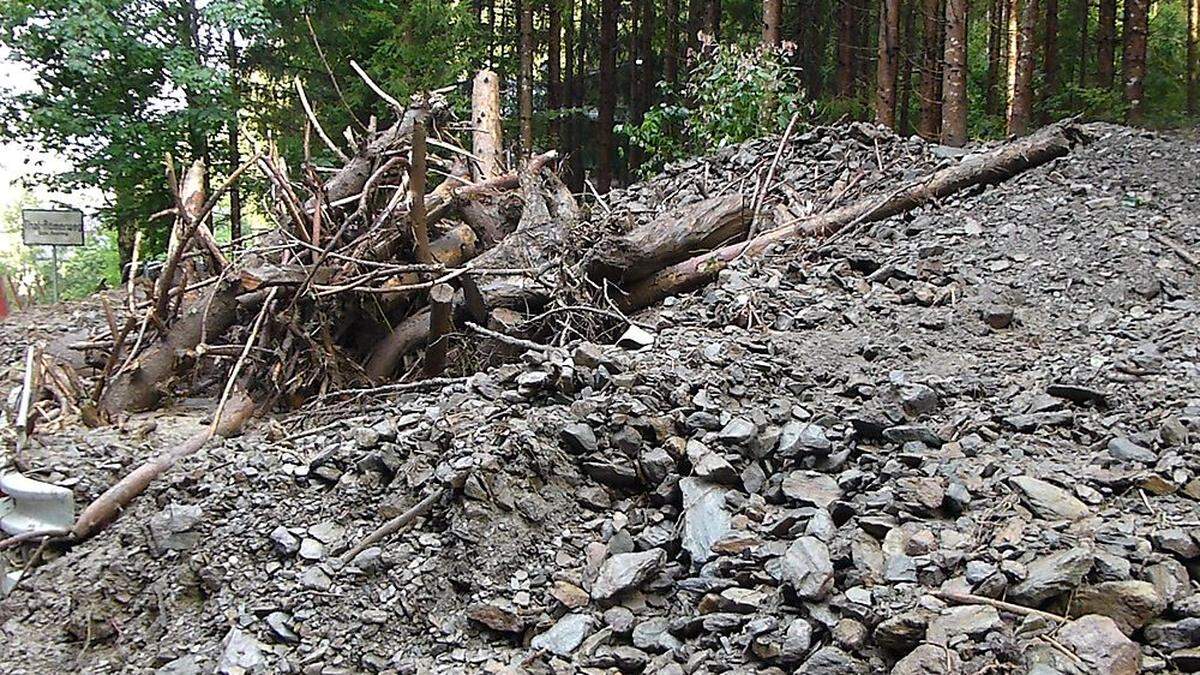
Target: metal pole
<point>54,255</point>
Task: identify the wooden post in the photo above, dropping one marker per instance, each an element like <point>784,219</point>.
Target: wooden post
<point>486,139</point>
<point>416,191</point>
<point>441,302</point>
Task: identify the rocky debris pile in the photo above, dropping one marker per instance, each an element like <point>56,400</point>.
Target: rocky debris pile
<point>816,170</point>
<point>957,441</point>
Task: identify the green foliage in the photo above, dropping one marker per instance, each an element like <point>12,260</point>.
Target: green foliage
<point>90,267</point>
<point>733,93</point>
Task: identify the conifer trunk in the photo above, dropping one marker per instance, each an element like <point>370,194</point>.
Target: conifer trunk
<point>525,78</point>
<point>888,63</point>
<point>1106,43</point>
<point>1021,108</point>
<point>1133,62</point>
<point>930,124</point>
<point>954,85</point>
<point>608,95</point>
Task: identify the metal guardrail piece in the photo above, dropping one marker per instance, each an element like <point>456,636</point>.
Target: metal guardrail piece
<point>33,505</point>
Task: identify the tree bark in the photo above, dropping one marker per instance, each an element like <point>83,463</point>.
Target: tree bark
<point>1193,56</point>
<point>1106,43</point>
<point>996,23</point>
<point>1050,64</point>
<point>695,24</point>
<point>486,136</point>
<point>772,36</point>
<point>807,30</point>
<point>671,38</point>
<point>712,18</point>
<point>566,141</point>
<point>608,95</point>
<point>1083,12</point>
<point>670,238</point>
<point>954,83</point>
<point>525,78</point>
<point>1133,62</point>
<point>1020,111</point>
<point>930,123</point>
<point>554,70</point>
<point>997,165</point>
<point>907,56</point>
<point>845,49</point>
<point>235,159</point>
<point>888,63</point>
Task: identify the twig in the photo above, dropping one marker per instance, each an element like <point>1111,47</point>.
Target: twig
<point>392,526</point>
<point>23,537</point>
<point>397,387</point>
<point>507,339</point>
<point>761,195</point>
<point>237,367</point>
<point>329,71</point>
<point>969,599</point>
<point>1178,248</point>
<point>312,117</point>
<point>374,87</point>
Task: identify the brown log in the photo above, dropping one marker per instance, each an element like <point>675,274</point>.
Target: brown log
<point>109,505</point>
<point>671,237</point>
<point>416,190</point>
<point>992,167</point>
<point>441,303</point>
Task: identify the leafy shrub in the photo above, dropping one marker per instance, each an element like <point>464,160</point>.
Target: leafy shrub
<point>733,93</point>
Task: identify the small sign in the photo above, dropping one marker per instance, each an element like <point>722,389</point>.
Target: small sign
<point>52,227</point>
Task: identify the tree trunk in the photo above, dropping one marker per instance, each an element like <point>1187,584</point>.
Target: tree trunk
<point>954,82</point>
<point>633,153</point>
<point>888,63</point>
<point>1050,64</point>
<point>554,70</point>
<point>772,18</point>
<point>587,35</point>
<point>1084,14</point>
<point>566,142</point>
<point>1012,31</point>
<point>930,124</point>
<point>807,30</point>
<point>996,23</point>
<point>1193,56</point>
<point>1020,111</point>
<point>1106,43</point>
<point>608,95</point>
<point>1133,62</point>
<point>996,166</point>
<point>648,61</point>
<point>235,159</point>
<point>695,24</point>
<point>671,37</point>
<point>487,141</point>
<point>845,49</point>
<point>525,78</point>
<point>907,56</point>
<point>712,18</point>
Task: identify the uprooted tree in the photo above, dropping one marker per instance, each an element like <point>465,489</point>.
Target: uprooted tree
<point>368,273</point>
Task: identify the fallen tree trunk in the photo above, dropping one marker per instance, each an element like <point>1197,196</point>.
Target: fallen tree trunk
<point>989,168</point>
<point>670,238</point>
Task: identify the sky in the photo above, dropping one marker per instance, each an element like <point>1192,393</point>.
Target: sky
<point>18,160</point>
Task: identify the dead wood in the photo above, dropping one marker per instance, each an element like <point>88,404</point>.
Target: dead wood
<point>988,168</point>
<point>671,237</point>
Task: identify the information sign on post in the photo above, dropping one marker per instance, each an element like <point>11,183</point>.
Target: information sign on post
<point>53,228</point>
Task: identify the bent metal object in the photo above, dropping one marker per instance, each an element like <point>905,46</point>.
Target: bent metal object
<point>31,505</point>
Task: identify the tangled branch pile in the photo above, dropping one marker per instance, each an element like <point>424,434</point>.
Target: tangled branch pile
<point>368,268</point>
